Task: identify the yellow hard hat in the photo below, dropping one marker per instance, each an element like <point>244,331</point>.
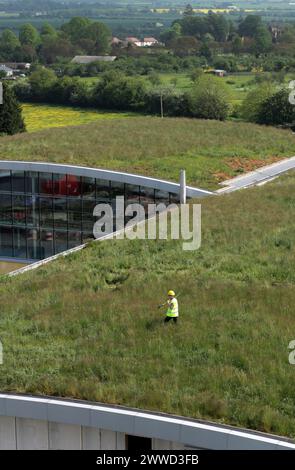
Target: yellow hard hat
<point>171,292</point>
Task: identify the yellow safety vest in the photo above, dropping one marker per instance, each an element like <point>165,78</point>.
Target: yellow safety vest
<point>172,310</point>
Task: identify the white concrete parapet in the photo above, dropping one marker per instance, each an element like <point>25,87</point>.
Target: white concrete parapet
<point>117,176</point>
<point>40,422</point>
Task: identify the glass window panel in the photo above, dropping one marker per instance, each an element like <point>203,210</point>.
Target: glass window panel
<point>18,181</point>
<point>46,243</point>
<point>45,183</point>
<point>20,242</point>
<point>117,189</point>
<point>60,213</point>
<point>60,241</point>
<point>5,180</point>
<point>19,210</point>
<point>161,196</point>
<point>74,213</point>
<point>33,242</point>
<point>6,238</point>
<point>74,239</point>
<point>87,236</point>
<point>174,198</point>
<point>46,212</point>
<point>32,204</point>
<point>88,218</point>
<point>73,185</point>
<point>131,194</point>
<point>66,185</point>
<point>102,190</point>
<point>5,209</point>
<point>147,195</point>
<point>32,182</point>
<point>88,187</point>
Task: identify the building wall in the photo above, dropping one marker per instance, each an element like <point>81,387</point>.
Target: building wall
<point>30,434</point>
<point>42,214</point>
<point>33,422</point>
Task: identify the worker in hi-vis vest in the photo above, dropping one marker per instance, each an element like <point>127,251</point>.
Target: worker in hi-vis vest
<point>172,310</point>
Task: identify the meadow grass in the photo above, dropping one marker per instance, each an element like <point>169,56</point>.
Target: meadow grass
<point>87,326</point>
<point>210,151</point>
<point>41,116</point>
<point>236,85</point>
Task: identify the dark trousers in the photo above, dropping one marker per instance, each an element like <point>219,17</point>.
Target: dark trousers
<point>167,319</point>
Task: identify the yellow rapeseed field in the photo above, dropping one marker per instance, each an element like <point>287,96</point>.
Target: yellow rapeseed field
<point>39,116</point>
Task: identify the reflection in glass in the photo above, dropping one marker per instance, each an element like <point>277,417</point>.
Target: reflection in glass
<point>5,180</point>
<point>45,183</point>
<point>46,243</point>
<point>74,239</point>
<point>33,244</point>
<point>20,242</point>
<point>32,206</point>
<point>32,182</point>
<point>102,191</point>
<point>74,213</point>
<point>19,210</point>
<point>88,187</point>
<point>43,213</point>
<point>5,209</point>
<point>46,212</point>
<point>88,219</point>
<point>60,212</point>
<point>6,241</point>
<point>60,241</point>
<point>18,181</point>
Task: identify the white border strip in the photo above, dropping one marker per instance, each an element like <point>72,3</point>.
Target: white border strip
<point>139,422</point>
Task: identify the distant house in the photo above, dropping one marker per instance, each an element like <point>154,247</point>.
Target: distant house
<point>117,42</point>
<point>134,41</point>
<point>218,72</point>
<point>17,65</point>
<point>88,59</point>
<point>149,42</point>
<point>7,70</point>
<point>146,42</point>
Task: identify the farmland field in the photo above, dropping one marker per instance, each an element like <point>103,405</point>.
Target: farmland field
<point>40,116</point>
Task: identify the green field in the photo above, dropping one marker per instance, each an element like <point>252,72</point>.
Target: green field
<point>210,151</point>
<point>41,116</point>
<point>236,85</point>
<point>87,326</point>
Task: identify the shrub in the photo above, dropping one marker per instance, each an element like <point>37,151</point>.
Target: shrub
<point>208,100</point>
<point>277,110</point>
<point>251,106</point>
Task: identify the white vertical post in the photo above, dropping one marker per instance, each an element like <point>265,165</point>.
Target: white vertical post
<point>182,187</point>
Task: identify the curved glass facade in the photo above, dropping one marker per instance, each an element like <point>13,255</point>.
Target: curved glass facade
<point>42,214</point>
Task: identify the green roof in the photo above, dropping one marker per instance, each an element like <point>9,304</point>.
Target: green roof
<point>210,151</point>
<point>88,326</point>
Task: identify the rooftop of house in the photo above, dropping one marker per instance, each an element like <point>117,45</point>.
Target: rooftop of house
<point>87,59</point>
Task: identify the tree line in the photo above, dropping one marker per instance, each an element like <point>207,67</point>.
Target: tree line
<point>78,36</point>
<point>205,37</point>
<point>266,103</point>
